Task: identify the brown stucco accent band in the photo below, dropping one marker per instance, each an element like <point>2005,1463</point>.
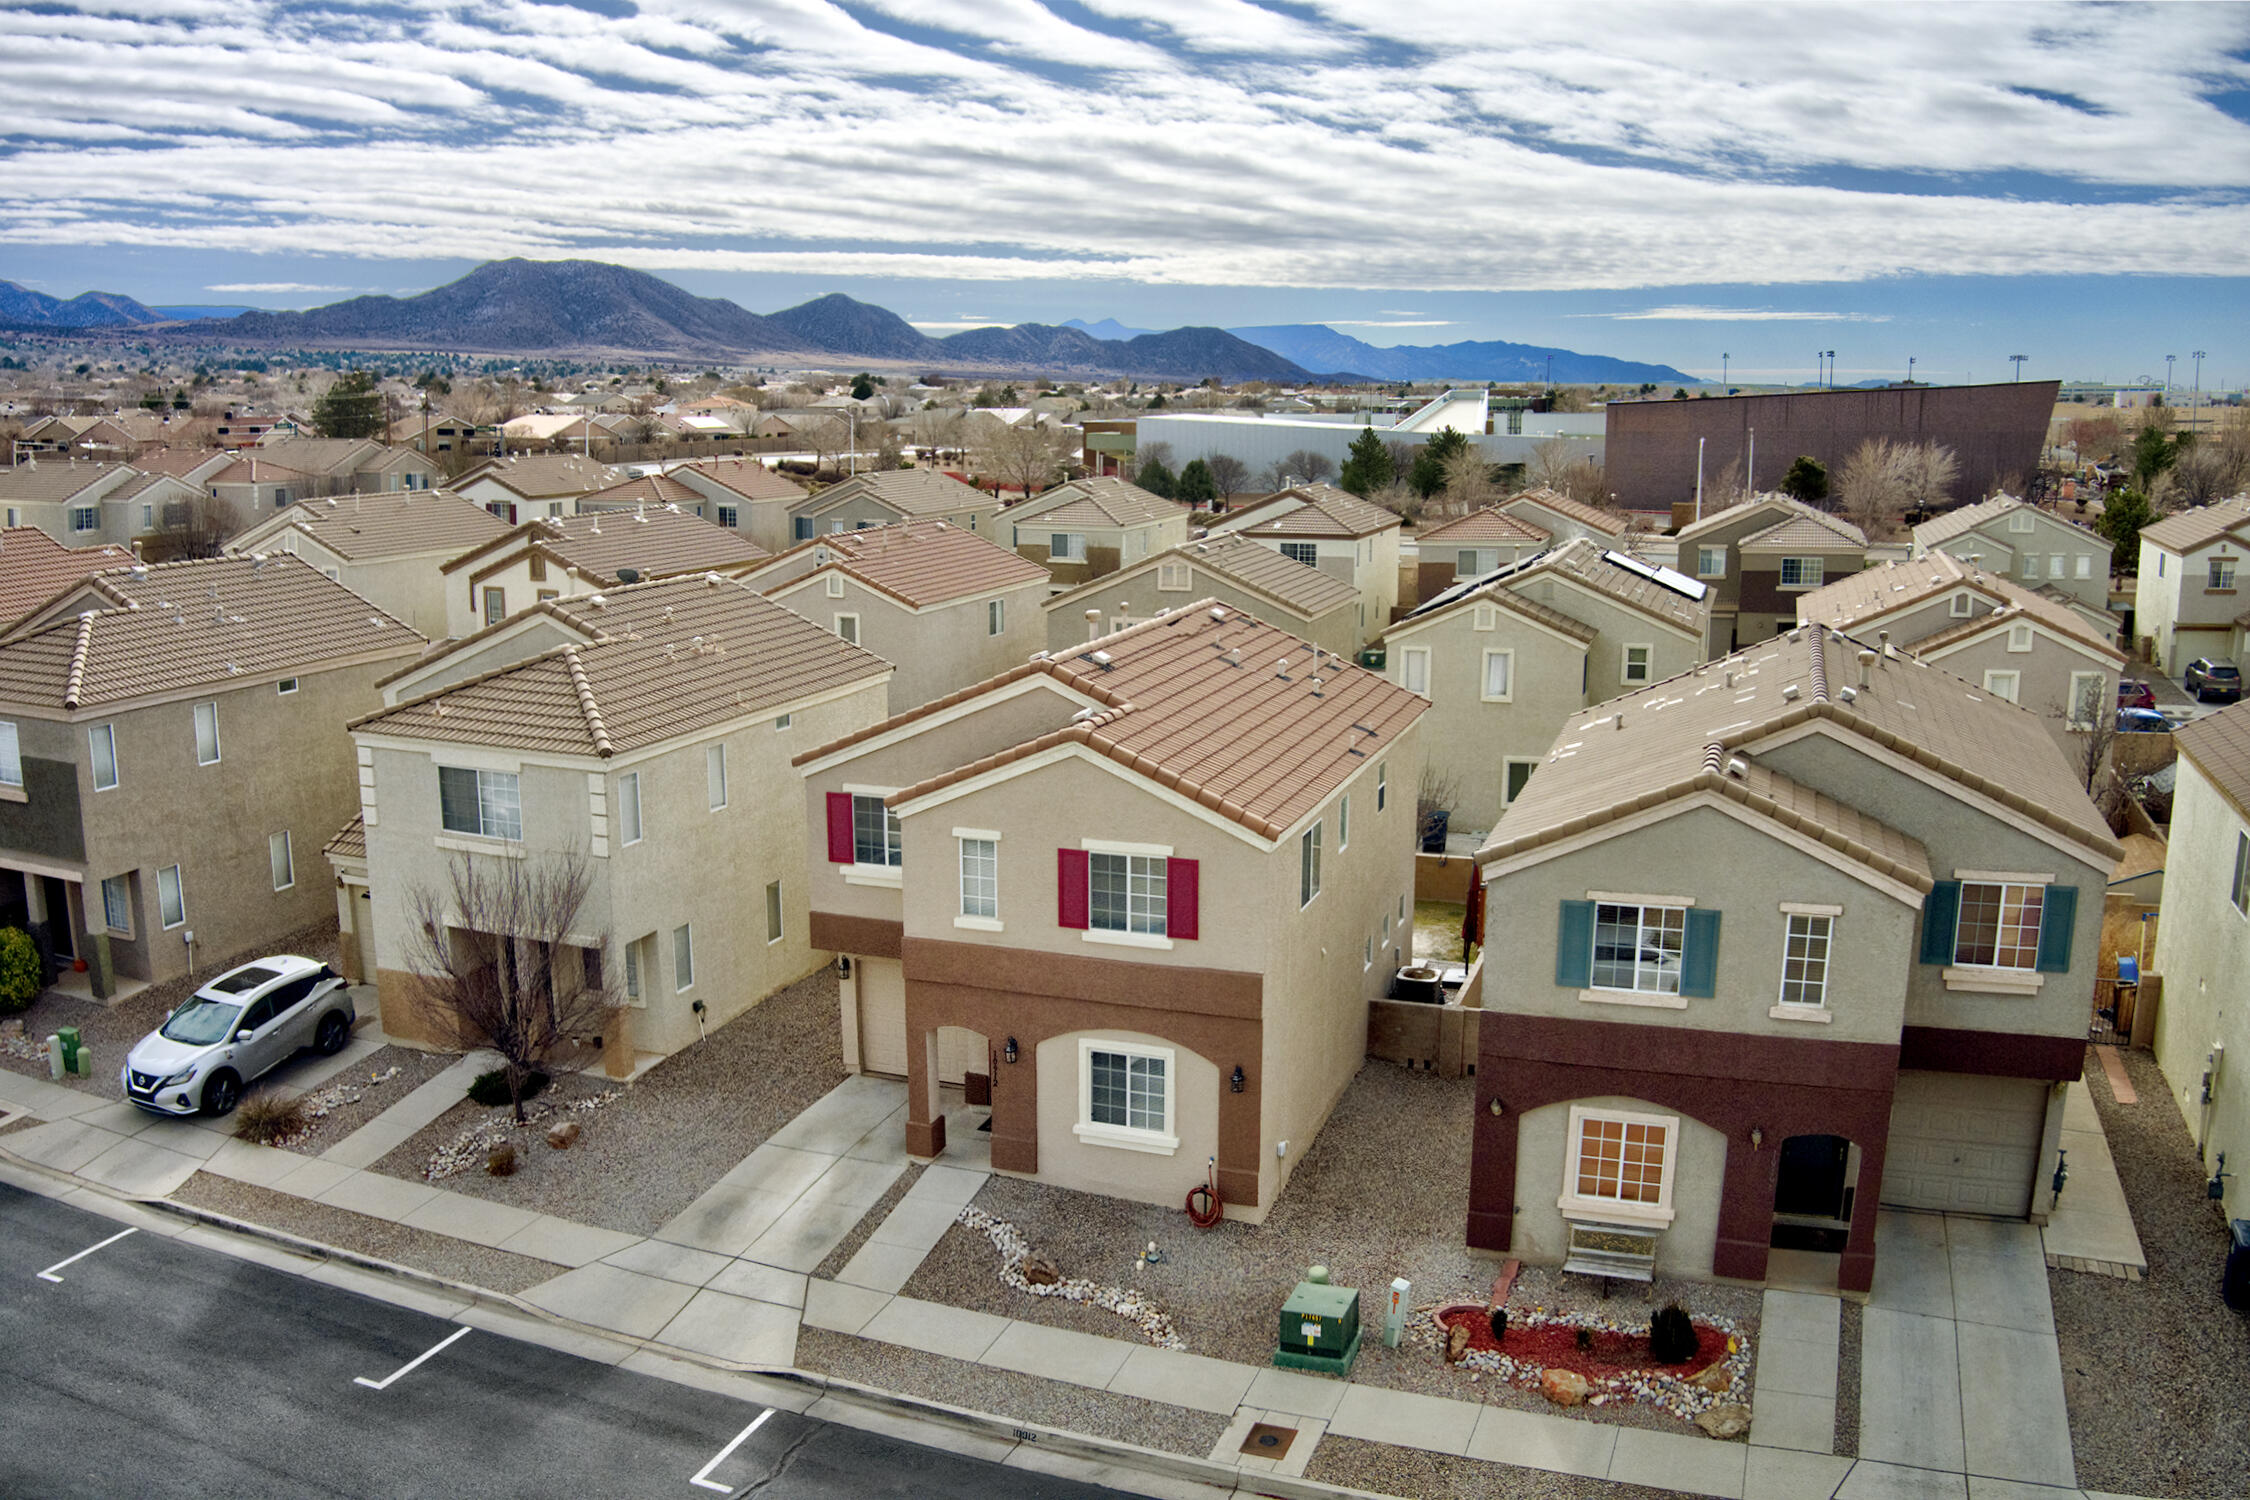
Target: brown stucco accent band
<point>870,937</point>
<point>1992,1054</point>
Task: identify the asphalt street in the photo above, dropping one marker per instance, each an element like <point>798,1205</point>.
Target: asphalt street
<point>154,1368</point>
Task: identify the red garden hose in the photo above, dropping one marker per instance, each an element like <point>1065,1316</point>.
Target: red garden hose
<point>1212,1210</point>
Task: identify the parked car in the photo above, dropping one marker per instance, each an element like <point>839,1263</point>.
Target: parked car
<point>2142,721</point>
<point>2133,693</point>
<point>2208,678</point>
<point>234,1030</point>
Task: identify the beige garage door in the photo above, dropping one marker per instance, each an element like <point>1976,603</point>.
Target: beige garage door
<point>882,1016</point>
<point>1964,1144</point>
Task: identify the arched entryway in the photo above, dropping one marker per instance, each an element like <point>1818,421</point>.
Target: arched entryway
<point>1816,1187</point>
<point>967,1064</point>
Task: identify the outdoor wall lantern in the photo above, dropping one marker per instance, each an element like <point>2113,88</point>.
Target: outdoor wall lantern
<point>2216,1188</point>
<point>1008,1053</point>
<point>1757,1138</point>
<point>1236,1081</point>
<point>1496,1107</point>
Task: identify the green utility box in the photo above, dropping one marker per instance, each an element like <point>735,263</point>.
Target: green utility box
<point>1319,1327</point>
<point>73,1049</point>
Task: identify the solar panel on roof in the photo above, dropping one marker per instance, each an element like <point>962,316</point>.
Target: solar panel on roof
<point>1678,583</point>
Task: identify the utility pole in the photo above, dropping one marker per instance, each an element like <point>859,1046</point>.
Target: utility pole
<point>2196,400</point>
<point>1699,478</point>
<point>1724,386</point>
<point>2017,360</point>
<point>2168,378</point>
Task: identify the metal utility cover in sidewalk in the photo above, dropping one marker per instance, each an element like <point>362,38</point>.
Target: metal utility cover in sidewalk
<point>1268,1441</point>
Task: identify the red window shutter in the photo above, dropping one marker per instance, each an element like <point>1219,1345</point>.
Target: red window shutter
<point>1072,893</point>
<point>839,828</point>
<point>1182,919</point>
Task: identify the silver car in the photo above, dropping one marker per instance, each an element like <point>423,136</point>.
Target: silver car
<point>235,1029</point>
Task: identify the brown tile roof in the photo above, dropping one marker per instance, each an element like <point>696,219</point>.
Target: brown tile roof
<point>1196,703</point>
<point>55,479</point>
<point>544,476</point>
<point>1861,601</point>
<point>336,457</point>
<point>177,462</point>
<point>672,658</point>
<point>1675,739</point>
<point>1813,532</point>
<point>209,621</point>
<point>2219,744</point>
<point>1316,510</point>
<point>914,493</point>
<point>644,489</point>
<point>1969,517</point>
<point>1629,581</point>
<point>658,543</point>
<point>1593,516</point>
<point>394,523</point>
<point>1498,592</point>
<point>1097,502</point>
<point>350,842</point>
<point>1251,566</point>
<point>918,563</point>
<point>34,568</point>
<point>1488,527</point>
<point>254,469</point>
<point>2186,530</point>
<point>1777,509</point>
<point>748,478</point>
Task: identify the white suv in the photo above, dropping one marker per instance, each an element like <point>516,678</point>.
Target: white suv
<point>235,1029</point>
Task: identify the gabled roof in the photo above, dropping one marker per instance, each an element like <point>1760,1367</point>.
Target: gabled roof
<point>143,483</point>
<point>56,479</point>
<point>393,523</point>
<point>180,463</point>
<point>1199,703</point>
<point>1248,565</point>
<point>1593,517</point>
<point>2220,747</point>
<point>1941,529</point>
<point>333,457</point>
<point>1313,510</point>
<point>1861,602</point>
<point>746,477</point>
<point>913,493</point>
<point>350,842</point>
<point>1493,588</point>
<point>645,489</point>
<point>918,563</point>
<point>251,468</point>
<point>656,543</point>
<point>544,476</point>
<point>34,568</point>
<point>1658,592</point>
<point>1098,502</point>
<point>1776,509</point>
<point>191,624</point>
<point>2186,530</point>
<point>1489,527</point>
<point>1679,738</point>
<point>669,659</point>
<point>1811,531</point>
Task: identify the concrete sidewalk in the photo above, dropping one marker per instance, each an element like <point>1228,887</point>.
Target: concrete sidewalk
<point>2091,1228</point>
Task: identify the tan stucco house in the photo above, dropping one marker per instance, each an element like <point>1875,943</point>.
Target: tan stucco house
<point>1758,557</point>
<point>2018,540</point>
<point>390,548</point>
<point>2187,599</point>
<point>1309,603</point>
<point>1471,546</point>
<point>554,556</point>
<point>744,495</point>
<point>888,496</point>
<point>1086,528</point>
<point>1334,531</point>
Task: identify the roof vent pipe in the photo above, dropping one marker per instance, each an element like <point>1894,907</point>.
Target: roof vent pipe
<point>1883,641</point>
<point>1848,694</point>
<point>1619,721</point>
<point>1866,667</point>
<point>1737,767</point>
<point>1789,693</point>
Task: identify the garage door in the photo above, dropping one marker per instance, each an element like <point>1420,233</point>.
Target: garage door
<point>882,1016</point>
<point>1964,1144</point>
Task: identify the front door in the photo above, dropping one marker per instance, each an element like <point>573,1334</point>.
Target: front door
<point>61,930</point>
<point>1813,1179</point>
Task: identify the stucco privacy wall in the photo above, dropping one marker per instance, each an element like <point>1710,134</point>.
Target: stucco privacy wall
<point>2203,952</point>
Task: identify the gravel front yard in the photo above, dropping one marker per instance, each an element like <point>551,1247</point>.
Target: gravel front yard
<point>2156,1372</point>
<point>1383,1193</point>
<point>346,1113</point>
<point>671,1133</point>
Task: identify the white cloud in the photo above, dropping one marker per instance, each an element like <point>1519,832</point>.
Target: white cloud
<point>1690,313</point>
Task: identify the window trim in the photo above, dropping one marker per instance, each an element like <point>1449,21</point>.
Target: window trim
<point>2086,693</point>
<point>2020,639</point>
<point>124,884</point>
<point>1625,652</point>
<point>488,597</point>
<point>850,637</point>
<point>1308,865</point>
<point>11,755</point>
<point>208,709</point>
<point>1507,694</point>
<point>1610,1210</point>
<point>1066,546</point>
<point>1407,658</point>
<point>1157,855</point>
<point>861,872</point>
<point>977,921</point>
<point>285,687</point>
<point>1961,606</point>
<point>715,789</point>
<point>1177,570</point>
<point>99,735</point>
<point>1703,568</point>
<point>995,617</point>
<point>2025,973</point>
<point>1508,763</point>
<point>2216,581</point>
<point>2013,690</point>
<point>631,827</point>
<point>1789,920</point>
<point>683,957</point>
<point>481,831</point>
<point>288,860</point>
<point>1818,569</point>
<point>1165,1142</point>
<point>1298,556</point>
<point>179,898</point>
<point>777,924</point>
<point>1344,823</point>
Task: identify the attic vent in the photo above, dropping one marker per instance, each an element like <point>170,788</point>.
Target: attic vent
<point>1042,656</point>
<point>1848,694</point>
<point>1084,714</point>
<point>1789,693</point>
<point>597,601</point>
<point>712,580</point>
<point>1281,667</point>
<point>1316,687</point>
<point>1234,656</point>
<point>1737,767</point>
<point>1618,720</point>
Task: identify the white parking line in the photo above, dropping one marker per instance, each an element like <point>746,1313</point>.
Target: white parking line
<point>49,1273</point>
<point>385,1383</point>
<point>702,1479</point>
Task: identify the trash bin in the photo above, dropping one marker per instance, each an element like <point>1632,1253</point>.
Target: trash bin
<point>2235,1285</point>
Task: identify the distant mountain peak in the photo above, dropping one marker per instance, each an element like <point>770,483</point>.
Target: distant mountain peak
<point>21,307</point>
<point>1109,330</point>
<point>1320,347</point>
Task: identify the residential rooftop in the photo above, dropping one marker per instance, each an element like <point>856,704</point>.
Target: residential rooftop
<point>1099,502</point>
<point>1858,602</point>
<point>1608,522</point>
<point>656,543</point>
<point>1316,510</point>
<point>749,478</point>
<point>1783,509</point>
<point>2184,531</point>
<point>34,568</point>
<point>2219,744</point>
<point>392,523</point>
<point>1660,592</point>
<point>1940,529</point>
<point>918,563</point>
<point>914,493</point>
<point>544,476</point>
<point>55,479</point>
<point>1489,527</point>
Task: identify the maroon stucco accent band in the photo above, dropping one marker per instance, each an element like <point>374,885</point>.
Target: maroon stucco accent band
<point>871,937</point>
<point>1114,981</point>
<point>1994,1054</point>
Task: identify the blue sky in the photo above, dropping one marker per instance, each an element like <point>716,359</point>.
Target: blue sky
<point>1951,183</point>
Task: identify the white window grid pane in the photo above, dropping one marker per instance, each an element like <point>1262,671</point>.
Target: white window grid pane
<point>1804,976</point>
<point>1998,926</point>
<point>1638,948</point>
<point>980,878</point>
<point>875,838</point>
<point>499,805</point>
<point>1127,893</point>
<point>117,908</point>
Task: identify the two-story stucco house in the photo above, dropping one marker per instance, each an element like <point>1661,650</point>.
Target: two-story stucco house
<point>2018,540</point>
<point>744,495</point>
<point>64,498</point>
<point>1333,530</point>
<point>654,742</point>
<point>351,466</point>
<point>1504,659</point>
<point>554,556</point>
<point>2029,648</point>
<point>1759,557</point>
<point>1142,894</point>
<point>1810,929</point>
<point>2186,600</point>
<point>1309,603</point>
<point>531,486</point>
<point>389,548</point>
<point>2203,946</point>
<point>170,766</point>
<point>945,606</point>
<point>888,496</point>
<point>1471,546</point>
<point>1564,518</point>
<point>1088,528</point>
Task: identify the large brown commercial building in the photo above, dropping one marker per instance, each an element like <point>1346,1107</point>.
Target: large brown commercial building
<point>1995,431</point>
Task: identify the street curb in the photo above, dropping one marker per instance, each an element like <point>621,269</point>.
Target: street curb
<point>1083,1446</point>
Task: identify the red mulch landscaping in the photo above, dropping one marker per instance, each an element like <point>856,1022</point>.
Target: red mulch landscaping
<point>1554,1346</point>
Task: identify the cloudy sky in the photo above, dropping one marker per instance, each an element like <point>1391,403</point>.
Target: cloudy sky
<point>1955,183</point>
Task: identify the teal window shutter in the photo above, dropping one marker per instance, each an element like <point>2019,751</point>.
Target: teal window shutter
<point>2057,915</point>
<point>1941,911</point>
<point>1574,945</point>
<point>1699,963</point>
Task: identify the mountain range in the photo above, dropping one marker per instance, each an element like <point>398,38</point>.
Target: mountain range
<point>21,307</point>
<point>1316,346</point>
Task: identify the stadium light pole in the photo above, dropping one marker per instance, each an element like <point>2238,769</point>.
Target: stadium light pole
<point>1832,369</point>
<point>1910,369</point>
<point>2196,400</point>
<point>1723,385</point>
<point>2017,360</point>
<point>2168,378</point>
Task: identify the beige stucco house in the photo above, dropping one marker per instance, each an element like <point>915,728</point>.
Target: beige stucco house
<point>1334,531</point>
<point>554,556</point>
<point>1564,518</point>
<point>888,496</point>
<point>1087,528</point>
<point>1758,558</point>
<point>63,497</point>
<point>1138,896</point>
<point>1471,546</point>
<point>744,496</point>
<point>388,548</point>
<point>2036,548</point>
<point>1309,603</point>
<point>528,486</point>
<point>2186,599</point>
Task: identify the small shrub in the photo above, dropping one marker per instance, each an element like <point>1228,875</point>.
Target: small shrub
<point>1671,1337</point>
<point>267,1118</point>
<point>502,1161</point>
<point>1499,1325</point>
<point>20,976</point>
<point>1584,1339</point>
<point>491,1089</point>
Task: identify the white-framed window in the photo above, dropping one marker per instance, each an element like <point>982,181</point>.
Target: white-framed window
<point>2086,699</point>
<point>1307,553</point>
<point>1635,665</point>
<point>1344,823</point>
<point>171,900</point>
<point>1382,784</point>
<point>1516,775</point>
<point>1067,546</point>
<point>773,911</point>
<point>629,808</point>
<point>783,722</point>
<point>2003,684</point>
<point>730,517</point>
<point>636,964</point>
<point>1998,925</point>
<point>834,584</point>
<point>1638,948</point>
<point>847,626</point>
<point>1801,572</point>
<point>1475,562</point>
<point>2085,565</point>
<point>85,518</point>
<point>1499,680</point>
<point>1961,606</point>
<point>1174,578</point>
<point>11,755</point>
<point>1620,1164</point>
<point>148,518</point>
<point>1127,893</point>
<point>101,745</point>
<point>2020,522</point>
<point>1414,670</point>
<point>1308,865</point>
<point>280,860</point>
<point>495,605</point>
<point>1125,1096</point>
<point>2019,638</point>
<point>1804,959</point>
<point>2222,573</point>
<point>980,878</point>
<point>875,836</point>
<point>683,957</point>
<point>2028,566</point>
<point>1487,617</point>
<point>286,686</point>
<point>995,617</point>
<point>207,734</point>
<point>2058,565</point>
<point>2238,891</point>
<point>715,776</point>
<point>117,904</point>
<point>488,804</point>
<point>1710,562</point>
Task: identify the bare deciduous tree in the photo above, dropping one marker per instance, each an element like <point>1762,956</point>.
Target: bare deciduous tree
<point>1307,467</point>
<point>1228,473</point>
<point>1871,488</point>
<point>191,528</point>
<point>498,951</point>
<point>825,436</point>
<point>1150,453</point>
<point>1022,456</point>
<point>1927,472</point>
<point>1550,462</point>
<point>1468,483</point>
